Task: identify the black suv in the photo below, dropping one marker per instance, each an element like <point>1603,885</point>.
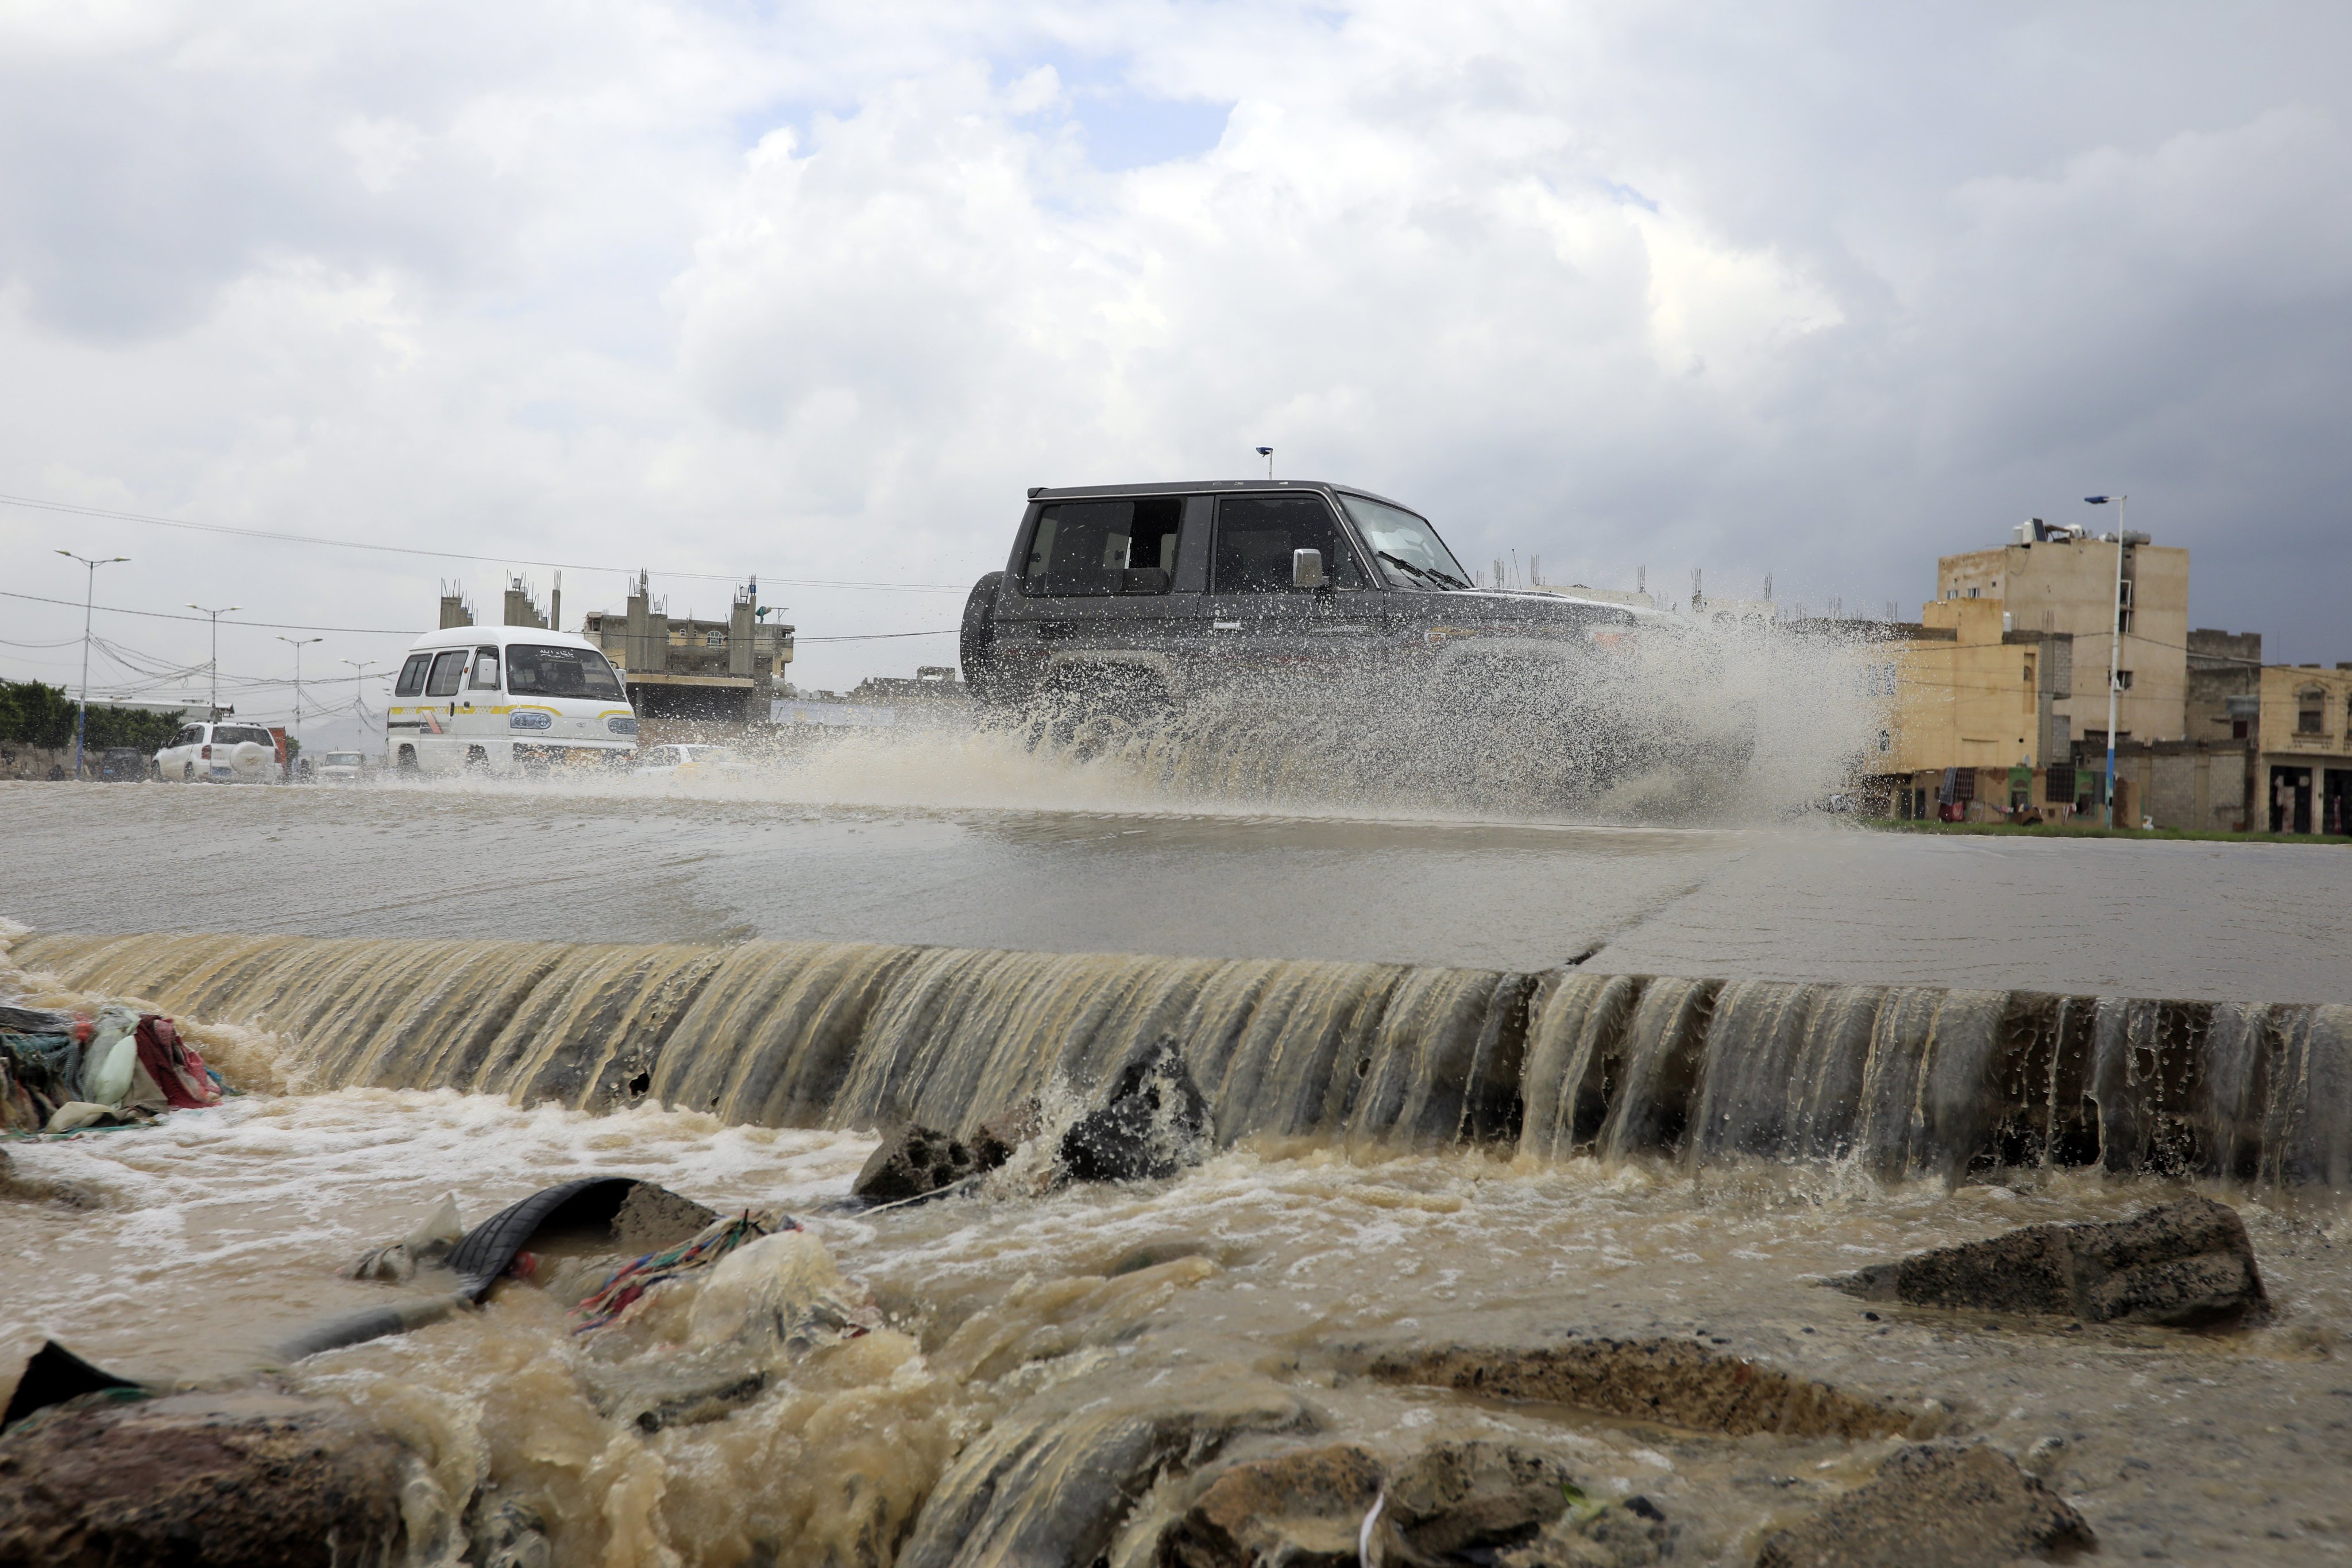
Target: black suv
<point>1144,593</point>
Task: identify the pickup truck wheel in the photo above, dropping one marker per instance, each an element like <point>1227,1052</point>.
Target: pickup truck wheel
<point>976,639</point>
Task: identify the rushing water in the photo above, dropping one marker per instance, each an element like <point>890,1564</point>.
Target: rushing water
<point>1852,1047</point>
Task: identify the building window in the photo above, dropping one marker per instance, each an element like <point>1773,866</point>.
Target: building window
<point>1973,593</point>
<point>1885,742</point>
<point>2123,680</point>
<point>2029,670</point>
<point>714,639</point>
<point>2310,711</point>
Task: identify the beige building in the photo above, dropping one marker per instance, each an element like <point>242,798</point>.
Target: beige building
<point>726,671</point>
<point>1972,718</point>
<point>2057,580</point>
<point>2305,741</point>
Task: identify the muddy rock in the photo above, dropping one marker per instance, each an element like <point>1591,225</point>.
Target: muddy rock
<point>1153,1123</point>
<point>1303,1509</point>
<point>250,1478</point>
<point>1673,1382</point>
<point>1455,1497</point>
<point>1935,1505</point>
<point>915,1161</point>
<point>1051,1482</point>
<point>1634,1533</point>
<point>2183,1264</point>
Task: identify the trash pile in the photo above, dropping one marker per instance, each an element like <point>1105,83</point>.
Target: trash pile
<point>62,1072</point>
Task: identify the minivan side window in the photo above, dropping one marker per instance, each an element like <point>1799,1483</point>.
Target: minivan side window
<point>449,670</point>
<point>1255,536</point>
<point>486,670</point>
<point>1081,548</point>
<point>411,676</point>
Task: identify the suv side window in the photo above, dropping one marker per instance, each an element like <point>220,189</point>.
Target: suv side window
<point>411,676</point>
<point>486,670</point>
<point>1093,547</point>
<point>190,735</point>
<point>1255,536</point>
<point>449,670</point>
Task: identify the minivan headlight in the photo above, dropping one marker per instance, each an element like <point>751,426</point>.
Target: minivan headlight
<point>527,719</point>
<point>621,726</point>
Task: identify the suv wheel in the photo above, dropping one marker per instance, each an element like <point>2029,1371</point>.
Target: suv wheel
<point>187,772</point>
<point>976,639</point>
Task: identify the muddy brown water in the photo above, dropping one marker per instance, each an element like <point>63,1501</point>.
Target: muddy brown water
<point>219,1233</point>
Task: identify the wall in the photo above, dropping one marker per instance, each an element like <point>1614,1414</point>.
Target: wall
<point>2221,665</point>
<point>1969,694</point>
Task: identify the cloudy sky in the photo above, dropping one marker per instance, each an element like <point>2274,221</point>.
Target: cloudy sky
<point>815,290</point>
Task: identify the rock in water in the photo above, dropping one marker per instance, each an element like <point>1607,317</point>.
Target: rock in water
<point>247,1478</point>
<point>1935,1505</point>
<point>2184,1264</point>
<point>913,1163</point>
<point>1153,1123</point>
<point>1302,1508</point>
<point>1455,1498</point>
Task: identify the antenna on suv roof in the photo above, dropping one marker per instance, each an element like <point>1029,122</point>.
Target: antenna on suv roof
<point>1267,453</point>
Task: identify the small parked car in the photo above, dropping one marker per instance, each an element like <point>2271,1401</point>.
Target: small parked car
<point>342,767</point>
<point>224,753</point>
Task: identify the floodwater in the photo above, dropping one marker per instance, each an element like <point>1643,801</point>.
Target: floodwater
<point>785,859</point>
<point>217,1233</point>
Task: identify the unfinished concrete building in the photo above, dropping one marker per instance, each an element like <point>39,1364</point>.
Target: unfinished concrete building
<point>684,669</point>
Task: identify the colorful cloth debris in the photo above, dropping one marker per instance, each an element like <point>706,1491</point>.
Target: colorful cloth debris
<point>632,1280</point>
<point>62,1072</point>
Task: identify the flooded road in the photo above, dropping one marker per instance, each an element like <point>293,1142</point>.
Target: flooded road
<point>641,862</point>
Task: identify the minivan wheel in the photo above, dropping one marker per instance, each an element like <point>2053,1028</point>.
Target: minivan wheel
<point>477,760</point>
<point>407,760</point>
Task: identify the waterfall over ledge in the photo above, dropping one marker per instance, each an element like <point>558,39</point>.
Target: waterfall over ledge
<point>1912,1081</point>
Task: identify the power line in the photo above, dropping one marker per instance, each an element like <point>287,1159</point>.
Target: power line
<point>73,510</point>
<point>268,625</point>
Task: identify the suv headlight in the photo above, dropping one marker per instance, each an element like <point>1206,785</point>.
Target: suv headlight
<point>621,726</point>
<point>525,720</point>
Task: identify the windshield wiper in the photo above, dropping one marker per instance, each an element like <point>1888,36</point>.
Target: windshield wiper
<point>1440,578</point>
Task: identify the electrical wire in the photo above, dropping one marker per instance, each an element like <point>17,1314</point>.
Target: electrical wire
<point>77,511</point>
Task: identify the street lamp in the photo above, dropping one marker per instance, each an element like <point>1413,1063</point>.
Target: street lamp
<point>215,614</point>
<point>2115,638</point>
<point>359,679</point>
<point>90,596</point>
<point>297,644</point>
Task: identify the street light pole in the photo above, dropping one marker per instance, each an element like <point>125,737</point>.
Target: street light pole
<point>215,614</point>
<point>358,678</point>
<point>297,644</point>
<point>2114,643</point>
<point>89,599</point>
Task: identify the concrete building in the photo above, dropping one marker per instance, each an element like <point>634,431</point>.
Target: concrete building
<point>2063,580</point>
<point>2304,739</point>
<point>1973,727</point>
<point>728,671</point>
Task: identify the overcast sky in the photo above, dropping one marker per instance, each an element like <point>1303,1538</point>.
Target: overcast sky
<point>815,290</point>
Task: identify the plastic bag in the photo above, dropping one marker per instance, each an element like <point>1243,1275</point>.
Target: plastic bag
<point>111,1057</point>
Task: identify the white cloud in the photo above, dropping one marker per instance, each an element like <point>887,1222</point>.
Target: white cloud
<point>817,292</point>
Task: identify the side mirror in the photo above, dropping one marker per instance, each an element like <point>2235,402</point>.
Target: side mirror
<point>1306,569</point>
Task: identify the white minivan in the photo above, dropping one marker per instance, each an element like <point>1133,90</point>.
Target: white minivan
<point>504,700</point>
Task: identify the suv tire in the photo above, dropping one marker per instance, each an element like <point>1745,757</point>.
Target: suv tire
<point>976,640</point>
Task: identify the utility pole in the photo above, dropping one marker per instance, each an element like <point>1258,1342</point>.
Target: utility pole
<point>215,614</point>
<point>89,598</point>
<point>2115,641</point>
<point>297,644</point>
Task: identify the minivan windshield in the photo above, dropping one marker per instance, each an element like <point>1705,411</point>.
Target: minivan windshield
<point>534,669</point>
<point>1409,550</point>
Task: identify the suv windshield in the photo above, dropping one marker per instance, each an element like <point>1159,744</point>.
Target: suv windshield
<point>1409,550</point>
<point>534,669</point>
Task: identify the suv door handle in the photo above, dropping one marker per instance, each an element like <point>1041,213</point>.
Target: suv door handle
<point>1225,625</point>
